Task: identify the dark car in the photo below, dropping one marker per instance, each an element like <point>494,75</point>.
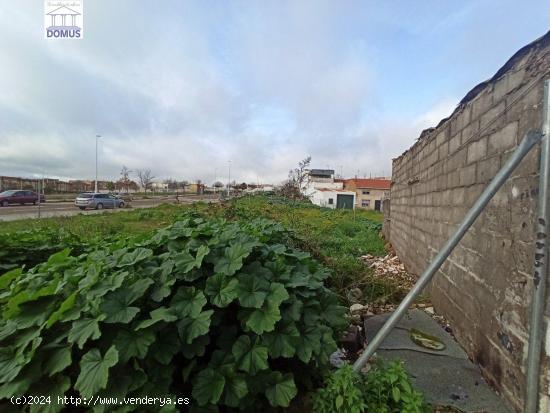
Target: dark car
<point>20,197</point>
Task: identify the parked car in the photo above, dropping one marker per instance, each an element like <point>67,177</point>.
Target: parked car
<point>97,201</point>
<point>20,197</point>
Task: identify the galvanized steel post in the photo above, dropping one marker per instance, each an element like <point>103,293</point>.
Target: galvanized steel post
<point>530,139</point>
<point>540,271</point>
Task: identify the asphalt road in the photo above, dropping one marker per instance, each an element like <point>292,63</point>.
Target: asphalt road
<point>53,209</point>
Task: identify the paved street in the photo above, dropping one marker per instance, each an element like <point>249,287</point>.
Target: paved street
<point>51,209</point>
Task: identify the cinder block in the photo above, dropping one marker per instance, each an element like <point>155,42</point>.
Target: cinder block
<point>482,103</point>
<point>454,143</point>
<point>467,175</point>
<point>489,120</point>
<point>442,135</point>
<point>477,150</point>
<point>470,132</point>
<point>504,139</point>
<point>487,169</point>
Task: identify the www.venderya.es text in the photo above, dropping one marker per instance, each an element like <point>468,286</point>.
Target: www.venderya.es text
<point>99,401</point>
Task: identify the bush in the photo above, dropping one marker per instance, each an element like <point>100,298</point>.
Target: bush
<point>385,389</point>
<point>223,312</point>
<point>15,247</point>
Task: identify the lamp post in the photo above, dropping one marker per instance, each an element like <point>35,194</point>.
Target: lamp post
<point>96,139</point>
<point>229,180</point>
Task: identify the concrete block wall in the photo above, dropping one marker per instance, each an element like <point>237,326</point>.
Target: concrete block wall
<point>484,288</point>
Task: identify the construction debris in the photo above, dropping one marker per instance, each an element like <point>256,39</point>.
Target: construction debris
<point>390,267</point>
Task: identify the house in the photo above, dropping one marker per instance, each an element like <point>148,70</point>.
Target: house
<point>369,192</point>
<point>159,186</point>
<point>325,191</point>
<point>333,198</point>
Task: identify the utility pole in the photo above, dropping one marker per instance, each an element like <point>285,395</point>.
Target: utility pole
<point>96,138</point>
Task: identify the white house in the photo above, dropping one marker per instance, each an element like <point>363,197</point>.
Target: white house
<point>333,198</point>
<point>323,190</point>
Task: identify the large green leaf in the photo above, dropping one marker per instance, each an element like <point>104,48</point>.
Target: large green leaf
<point>221,290</point>
<point>277,294</point>
<point>83,330</point>
<point>65,306</point>
<point>191,328</point>
<point>11,363</point>
<point>235,386</point>
<point>252,290</point>
<point>94,371</point>
<point>57,360</point>
<point>117,303</point>
<point>282,342</point>
<point>250,357</point>
<point>232,260</point>
<point>160,314</point>
<point>137,255</point>
<point>208,386</point>
<point>188,302</point>
<point>7,278</point>
<point>309,343</point>
<point>12,306</point>
<point>282,391</point>
<point>263,319</point>
<point>133,343</point>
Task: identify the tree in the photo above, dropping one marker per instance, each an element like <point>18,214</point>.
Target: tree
<point>124,180</point>
<point>145,178</point>
<point>110,186</point>
<point>297,180</point>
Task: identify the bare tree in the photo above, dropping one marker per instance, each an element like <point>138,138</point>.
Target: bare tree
<point>297,179</point>
<point>145,178</point>
<point>124,180</point>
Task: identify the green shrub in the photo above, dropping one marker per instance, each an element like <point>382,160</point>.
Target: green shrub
<point>386,388</point>
<point>223,312</point>
<point>32,247</point>
<point>342,393</point>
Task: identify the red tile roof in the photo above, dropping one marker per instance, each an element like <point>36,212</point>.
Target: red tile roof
<point>368,183</point>
<point>332,190</point>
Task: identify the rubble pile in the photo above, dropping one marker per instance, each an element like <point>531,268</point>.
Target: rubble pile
<point>390,267</point>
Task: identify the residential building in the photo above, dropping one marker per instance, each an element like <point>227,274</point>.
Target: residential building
<point>369,192</point>
<point>325,191</point>
<point>333,198</point>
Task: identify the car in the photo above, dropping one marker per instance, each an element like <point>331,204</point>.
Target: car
<point>22,197</point>
<point>94,200</point>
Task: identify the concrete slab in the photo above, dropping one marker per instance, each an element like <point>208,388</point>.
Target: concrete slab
<point>447,377</point>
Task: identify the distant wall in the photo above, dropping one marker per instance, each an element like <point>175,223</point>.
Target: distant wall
<point>484,288</point>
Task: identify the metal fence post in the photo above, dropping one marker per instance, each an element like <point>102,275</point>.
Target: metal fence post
<point>540,271</point>
<point>530,139</point>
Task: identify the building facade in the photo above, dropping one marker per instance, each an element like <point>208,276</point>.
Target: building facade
<point>369,192</point>
<point>325,191</point>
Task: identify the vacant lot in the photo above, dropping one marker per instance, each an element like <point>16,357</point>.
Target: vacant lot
<point>335,237</point>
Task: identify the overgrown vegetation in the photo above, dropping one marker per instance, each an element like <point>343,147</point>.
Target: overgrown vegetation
<point>385,389</point>
<point>223,311</point>
<point>336,237</point>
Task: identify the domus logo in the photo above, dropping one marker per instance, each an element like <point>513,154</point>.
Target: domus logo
<point>63,19</point>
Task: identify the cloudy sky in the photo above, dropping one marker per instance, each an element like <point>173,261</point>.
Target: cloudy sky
<point>182,87</point>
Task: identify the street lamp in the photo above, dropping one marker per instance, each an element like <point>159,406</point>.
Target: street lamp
<point>96,138</point>
<point>229,180</point>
